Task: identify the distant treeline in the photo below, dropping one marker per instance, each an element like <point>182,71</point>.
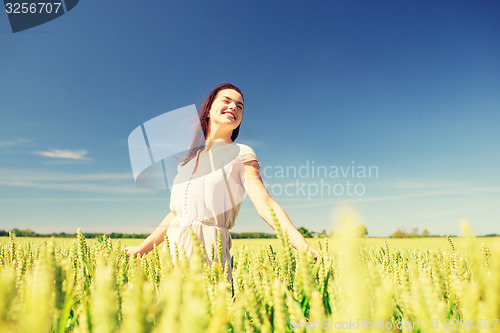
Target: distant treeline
<point>360,231</point>
<point>31,233</point>
<point>425,233</point>
<point>236,235</point>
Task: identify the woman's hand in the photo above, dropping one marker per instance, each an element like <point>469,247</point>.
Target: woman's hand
<point>154,239</point>
<point>315,253</point>
<point>133,250</point>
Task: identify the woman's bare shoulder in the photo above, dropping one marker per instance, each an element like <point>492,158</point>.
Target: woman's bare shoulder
<point>247,153</point>
<point>245,148</point>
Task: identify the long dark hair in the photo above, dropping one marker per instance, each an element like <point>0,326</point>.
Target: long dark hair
<point>200,135</point>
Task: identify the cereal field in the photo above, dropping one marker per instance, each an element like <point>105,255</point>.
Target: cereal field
<point>357,285</point>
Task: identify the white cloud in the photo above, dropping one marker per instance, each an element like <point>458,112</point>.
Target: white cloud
<point>33,175</point>
<point>65,154</point>
<point>14,143</point>
<point>422,185</point>
<point>92,199</point>
<point>103,182</point>
<point>77,187</point>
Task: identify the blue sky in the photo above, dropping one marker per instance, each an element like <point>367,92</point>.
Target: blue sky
<point>408,87</point>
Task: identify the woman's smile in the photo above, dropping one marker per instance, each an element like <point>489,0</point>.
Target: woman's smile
<point>230,113</point>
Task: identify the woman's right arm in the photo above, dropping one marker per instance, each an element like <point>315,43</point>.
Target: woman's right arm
<point>154,239</point>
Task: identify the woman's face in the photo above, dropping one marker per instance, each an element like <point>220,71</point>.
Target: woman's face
<point>227,109</point>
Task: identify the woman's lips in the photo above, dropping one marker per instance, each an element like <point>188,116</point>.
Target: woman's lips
<point>230,113</point>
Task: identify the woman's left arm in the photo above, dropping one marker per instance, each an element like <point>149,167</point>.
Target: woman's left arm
<point>262,200</point>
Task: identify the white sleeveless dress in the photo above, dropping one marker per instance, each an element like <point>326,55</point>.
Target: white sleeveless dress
<point>209,199</point>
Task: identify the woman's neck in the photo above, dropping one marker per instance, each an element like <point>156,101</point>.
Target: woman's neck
<point>210,144</point>
<point>218,135</point>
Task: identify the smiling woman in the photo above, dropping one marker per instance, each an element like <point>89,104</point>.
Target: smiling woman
<point>211,183</point>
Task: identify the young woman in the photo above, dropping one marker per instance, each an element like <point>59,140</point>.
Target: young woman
<point>211,183</point>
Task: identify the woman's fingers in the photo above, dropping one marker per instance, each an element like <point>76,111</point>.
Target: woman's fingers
<point>315,254</point>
